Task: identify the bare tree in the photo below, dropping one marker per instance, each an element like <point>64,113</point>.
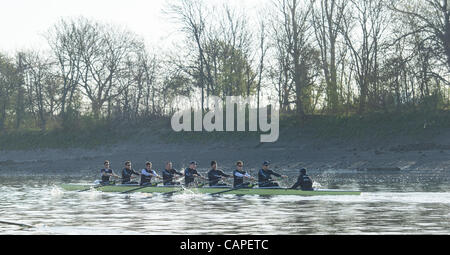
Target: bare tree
<point>191,14</point>
<point>326,22</point>
<point>235,40</point>
<point>368,20</point>
<point>263,48</point>
<point>433,18</point>
<point>104,53</point>
<point>63,39</point>
<point>19,106</point>
<point>8,80</point>
<point>37,75</point>
<point>280,72</point>
<point>296,35</point>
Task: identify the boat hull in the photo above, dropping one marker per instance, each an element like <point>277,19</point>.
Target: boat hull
<point>208,190</point>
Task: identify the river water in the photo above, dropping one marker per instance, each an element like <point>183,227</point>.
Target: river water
<point>404,202</point>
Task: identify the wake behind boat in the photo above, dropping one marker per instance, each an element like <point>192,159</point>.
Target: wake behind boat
<point>131,188</point>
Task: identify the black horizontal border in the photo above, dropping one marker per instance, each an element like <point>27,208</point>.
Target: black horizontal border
<point>236,244</point>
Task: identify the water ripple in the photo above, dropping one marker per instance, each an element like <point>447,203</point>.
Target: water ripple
<point>390,204</point>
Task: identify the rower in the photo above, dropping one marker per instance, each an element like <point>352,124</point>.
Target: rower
<point>107,173</point>
<point>190,173</point>
<point>146,175</point>
<point>168,175</point>
<point>127,172</point>
<point>239,175</point>
<point>214,175</point>
<point>265,176</point>
<point>304,181</point>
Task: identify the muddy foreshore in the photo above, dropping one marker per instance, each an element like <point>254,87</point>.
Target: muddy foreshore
<point>399,154</point>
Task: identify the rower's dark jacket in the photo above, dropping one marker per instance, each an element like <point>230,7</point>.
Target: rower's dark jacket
<point>214,176</point>
<point>304,182</point>
<point>105,178</point>
<point>126,174</point>
<point>238,178</point>
<point>168,175</point>
<point>146,176</point>
<point>265,177</point>
<point>189,175</point>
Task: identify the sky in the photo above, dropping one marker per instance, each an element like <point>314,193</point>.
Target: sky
<point>23,22</point>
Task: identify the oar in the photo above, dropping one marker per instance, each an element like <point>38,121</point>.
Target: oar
<point>171,192</point>
<point>141,187</point>
<point>240,187</point>
<point>91,187</point>
<point>138,188</point>
<point>201,184</point>
<point>178,190</point>
<point>15,223</point>
<point>224,191</point>
<point>182,187</point>
<point>175,191</point>
<point>97,186</point>
<point>223,178</point>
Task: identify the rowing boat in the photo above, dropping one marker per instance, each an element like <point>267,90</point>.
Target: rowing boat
<point>208,190</point>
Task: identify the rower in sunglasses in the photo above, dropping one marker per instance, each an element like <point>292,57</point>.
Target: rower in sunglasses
<point>127,173</point>
<point>265,176</point>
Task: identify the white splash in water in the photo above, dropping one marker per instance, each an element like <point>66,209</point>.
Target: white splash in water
<point>188,194</point>
<point>316,185</point>
<point>140,195</point>
<point>56,192</point>
<point>91,194</point>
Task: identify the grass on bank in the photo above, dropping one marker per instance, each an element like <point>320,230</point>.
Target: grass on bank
<point>88,133</point>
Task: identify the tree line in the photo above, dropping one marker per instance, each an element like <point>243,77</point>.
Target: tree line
<point>328,57</point>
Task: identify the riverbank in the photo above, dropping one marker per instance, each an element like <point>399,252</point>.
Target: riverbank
<point>343,144</point>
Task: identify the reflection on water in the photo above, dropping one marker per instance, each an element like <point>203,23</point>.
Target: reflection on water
<point>391,203</point>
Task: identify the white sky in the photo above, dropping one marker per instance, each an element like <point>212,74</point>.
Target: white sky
<point>23,22</point>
